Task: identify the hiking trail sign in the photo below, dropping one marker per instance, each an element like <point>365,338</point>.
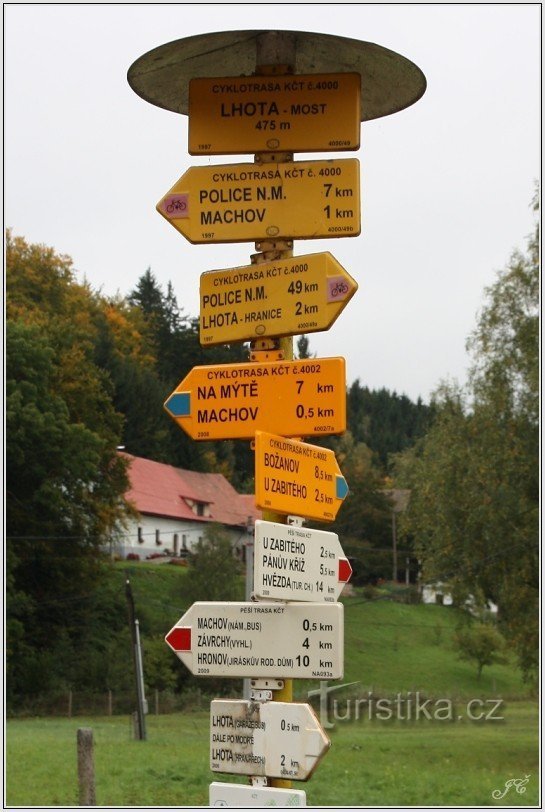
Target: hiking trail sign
<point>250,202</point>
<point>293,295</point>
<point>277,739</point>
<point>241,796</point>
<point>277,550</point>
<point>233,401</point>
<point>294,640</point>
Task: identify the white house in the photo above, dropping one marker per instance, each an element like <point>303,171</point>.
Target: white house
<point>440,593</point>
<point>175,506</point>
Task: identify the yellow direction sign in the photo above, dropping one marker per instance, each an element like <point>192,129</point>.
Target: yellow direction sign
<point>250,202</point>
<point>233,401</point>
<point>297,478</point>
<point>287,297</point>
<point>266,113</point>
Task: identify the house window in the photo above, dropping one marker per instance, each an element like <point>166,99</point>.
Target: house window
<point>157,539</point>
<point>200,508</point>
<point>140,536</point>
<point>175,543</point>
<point>184,542</point>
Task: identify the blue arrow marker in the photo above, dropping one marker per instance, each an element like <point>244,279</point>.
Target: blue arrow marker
<point>341,488</point>
<point>179,404</point>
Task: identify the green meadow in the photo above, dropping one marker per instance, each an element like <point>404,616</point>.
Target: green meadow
<point>394,652</point>
<point>369,764</point>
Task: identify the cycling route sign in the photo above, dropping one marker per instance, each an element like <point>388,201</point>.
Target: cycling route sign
<point>274,201</point>
<point>290,296</point>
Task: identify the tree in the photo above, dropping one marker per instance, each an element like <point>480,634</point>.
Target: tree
<point>65,481</point>
<point>364,519</point>
<point>147,296</point>
<point>474,478</point>
<point>158,672</point>
<point>480,643</point>
<point>215,571</point>
<point>303,348</point>
<point>172,343</point>
<point>385,421</point>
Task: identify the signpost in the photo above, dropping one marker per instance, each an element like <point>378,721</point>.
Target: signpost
<point>303,640</point>
<point>276,549</point>
<point>289,296</point>
<point>297,478</point>
<point>263,106</point>
<point>240,114</point>
<point>277,739</point>
<point>248,202</point>
<point>241,796</point>
<point>233,401</point>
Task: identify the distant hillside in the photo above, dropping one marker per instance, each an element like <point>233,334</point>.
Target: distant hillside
<point>385,421</point>
<point>389,646</point>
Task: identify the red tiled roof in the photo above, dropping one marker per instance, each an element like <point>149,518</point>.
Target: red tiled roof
<point>159,490</point>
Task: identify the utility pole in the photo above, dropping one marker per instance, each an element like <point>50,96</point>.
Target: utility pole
<point>141,704</point>
<point>394,547</point>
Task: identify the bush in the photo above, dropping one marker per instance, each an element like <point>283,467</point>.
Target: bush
<point>369,592</point>
<point>214,571</point>
<point>480,643</point>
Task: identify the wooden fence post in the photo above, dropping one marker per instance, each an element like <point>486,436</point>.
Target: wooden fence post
<point>86,767</point>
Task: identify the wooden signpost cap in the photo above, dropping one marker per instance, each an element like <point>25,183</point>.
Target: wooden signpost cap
<point>389,82</point>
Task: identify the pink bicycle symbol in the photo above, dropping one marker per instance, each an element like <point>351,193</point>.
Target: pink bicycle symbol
<point>339,288</point>
<point>176,205</point>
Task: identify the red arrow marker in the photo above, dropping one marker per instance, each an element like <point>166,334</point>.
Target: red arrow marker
<point>179,638</point>
<point>345,570</point>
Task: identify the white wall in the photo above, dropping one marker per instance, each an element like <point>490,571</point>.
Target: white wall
<point>192,531</point>
<point>430,592</point>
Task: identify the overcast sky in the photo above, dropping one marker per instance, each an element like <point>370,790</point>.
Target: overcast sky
<point>446,184</point>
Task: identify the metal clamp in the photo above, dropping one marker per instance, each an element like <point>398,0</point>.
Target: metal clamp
<point>260,696</point>
<point>273,157</point>
<point>263,684</point>
<point>259,780</point>
<point>270,249</point>
<point>296,521</point>
<point>266,349</point>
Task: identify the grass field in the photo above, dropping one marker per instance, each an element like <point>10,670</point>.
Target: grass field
<point>390,648</point>
<point>370,763</point>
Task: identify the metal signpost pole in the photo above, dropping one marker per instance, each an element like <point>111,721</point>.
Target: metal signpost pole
<point>275,54</point>
<point>249,586</point>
